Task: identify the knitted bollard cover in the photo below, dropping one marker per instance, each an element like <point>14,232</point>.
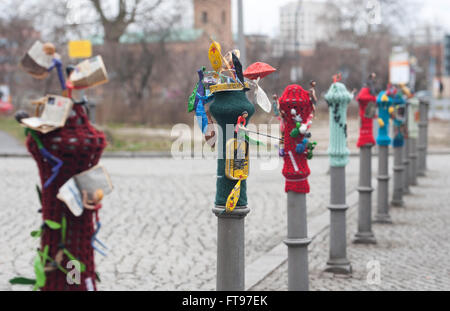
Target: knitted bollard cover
<point>226,108</point>
<point>366,126</point>
<point>80,146</point>
<point>383,102</point>
<point>295,169</point>
<point>338,99</point>
<point>399,120</point>
<point>413,110</point>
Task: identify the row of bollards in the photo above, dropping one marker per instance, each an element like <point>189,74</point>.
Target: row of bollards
<point>409,149</point>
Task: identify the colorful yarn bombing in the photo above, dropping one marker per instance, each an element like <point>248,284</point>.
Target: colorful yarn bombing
<point>365,98</point>
<point>296,109</point>
<point>399,120</point>
<point>384,103</point>
<point>76,147</point>
<point>338,99</point>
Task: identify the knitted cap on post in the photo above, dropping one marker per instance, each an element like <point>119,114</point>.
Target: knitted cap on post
<point>226,109</point>
<point>338,99</point>
<point>295,169</point>
<point>399,120</point>
<point>383,102</point>
<point>413,126</point>
<point>366,130</point>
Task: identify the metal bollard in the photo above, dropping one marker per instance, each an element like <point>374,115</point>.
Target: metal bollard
<point>365,234</point>
<point>297,242</point>
<point>296,112</point>
<point>411,146</point>
<point>405,153</point>
<point>226,109</point>
<point>398,143</point>
<point>423,137</point>
<point>383,140</point>
<point>230,248</point>
<point>365,142</point>
<point>397,195</point>
<point>406,164</point>
<point>338,99</point>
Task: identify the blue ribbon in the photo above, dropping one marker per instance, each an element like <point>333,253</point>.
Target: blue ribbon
<point>94,239</point>
<point>55,162</point>
<point>58,64</point>
<point>200,112</point>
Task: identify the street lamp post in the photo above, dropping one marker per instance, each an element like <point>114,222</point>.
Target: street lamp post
<point>241,35</point>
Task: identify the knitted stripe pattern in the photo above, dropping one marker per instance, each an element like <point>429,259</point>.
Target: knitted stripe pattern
<point>366,129</point>
<point>79,145</point>
<point>295,169</point>
<point>413,126</point>
<point>226,108</point>
<point>338,99</point>
<point>383,138</point>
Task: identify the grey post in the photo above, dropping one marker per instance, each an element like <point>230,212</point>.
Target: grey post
<point>297,242</point>
<point>423,137</point>
<point>365,234</point>
<point>406,163</point>
<point>338,99</point>
<point>397,195</point>
<point>382,215</point>
<point>230,248</point>
<point>241,35</point>
<point>413,161</point>
<point>338,262</point>
<point>405,154</point>
<point>92,113</point>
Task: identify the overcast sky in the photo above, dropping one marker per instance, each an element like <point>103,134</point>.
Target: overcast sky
<point>262,16</point>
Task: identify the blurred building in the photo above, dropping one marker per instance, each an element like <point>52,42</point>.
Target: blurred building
<point>302,25</point>
<point>211,17</point>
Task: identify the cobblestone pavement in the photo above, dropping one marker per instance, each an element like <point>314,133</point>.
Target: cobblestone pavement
<point>413,253</point>
<point>158,221</point>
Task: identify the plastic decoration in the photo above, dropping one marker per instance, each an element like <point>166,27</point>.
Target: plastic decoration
<point>256,72</point>
<point>215,56</point>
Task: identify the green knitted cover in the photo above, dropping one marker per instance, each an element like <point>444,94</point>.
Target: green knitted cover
<point>338,99</point>
<point>226,108</point>
<point>413,127</point>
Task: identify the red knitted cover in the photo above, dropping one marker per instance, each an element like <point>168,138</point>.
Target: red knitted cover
<point>295,97</point>
<point>79,145</point>
<point>366,129</point>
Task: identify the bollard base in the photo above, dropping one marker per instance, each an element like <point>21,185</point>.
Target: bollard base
<point>383,219</point>
<point>398,203</point>
<point>230,248</point>
<point>364,238</point>
<point>338,266</point>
